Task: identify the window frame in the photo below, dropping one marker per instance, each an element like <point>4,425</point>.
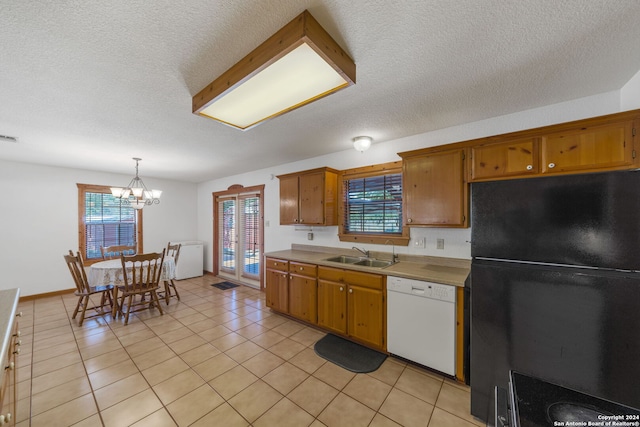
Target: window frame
<point>398,239</point>
<point>104,189</point>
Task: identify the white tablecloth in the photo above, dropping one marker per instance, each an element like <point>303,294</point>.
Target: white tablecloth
<point>110,272</point>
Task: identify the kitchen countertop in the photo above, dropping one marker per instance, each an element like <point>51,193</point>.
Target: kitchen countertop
<point>8,307</point>
<point>448,271</point>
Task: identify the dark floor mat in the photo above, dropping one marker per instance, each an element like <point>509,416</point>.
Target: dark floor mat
<point>224,285</point>
<point>349,355</point>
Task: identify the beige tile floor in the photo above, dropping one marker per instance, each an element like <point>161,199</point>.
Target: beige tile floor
<point>215,358</point>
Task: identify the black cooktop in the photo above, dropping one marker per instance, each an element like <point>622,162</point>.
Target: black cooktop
<point>540,404</point>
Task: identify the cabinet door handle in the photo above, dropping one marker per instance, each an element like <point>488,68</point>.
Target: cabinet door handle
<point>529,167</point>
<point>552,165</point>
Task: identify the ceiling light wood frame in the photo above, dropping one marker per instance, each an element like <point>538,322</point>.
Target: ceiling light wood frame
<point>304,29</point>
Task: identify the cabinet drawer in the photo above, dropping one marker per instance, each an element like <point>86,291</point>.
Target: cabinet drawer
<point>331,274</point>
<point>303,269</point>
<point>277,264</point>
<point>366,280</point>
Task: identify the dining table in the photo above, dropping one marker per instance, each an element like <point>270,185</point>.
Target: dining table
<point>110,272</point>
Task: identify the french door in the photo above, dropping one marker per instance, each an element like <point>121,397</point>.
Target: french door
<point>239,235</point>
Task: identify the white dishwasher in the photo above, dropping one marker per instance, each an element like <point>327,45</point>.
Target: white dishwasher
<point>421,322</point>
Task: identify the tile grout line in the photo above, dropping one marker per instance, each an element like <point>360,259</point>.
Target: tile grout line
<point>228,307</point>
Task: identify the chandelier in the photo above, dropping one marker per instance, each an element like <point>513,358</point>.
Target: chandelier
<point>136,193</point>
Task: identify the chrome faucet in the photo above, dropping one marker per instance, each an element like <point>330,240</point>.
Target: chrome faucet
<point>394,257</point>
<point>362,251</point>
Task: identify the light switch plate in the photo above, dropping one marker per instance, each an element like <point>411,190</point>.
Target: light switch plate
<point>439,243</point>
<point>420,242</point>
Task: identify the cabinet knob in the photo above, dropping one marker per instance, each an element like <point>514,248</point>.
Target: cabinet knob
<point>409,220</point>
<point>17,351</point>
<point>19,342</point>
<point>350,291</point>
<point>301,221</point>
<point>275,264</point>
<point>341,289</point>
<point>17,334</point>
<point>19,314</point>
<point>301,268</point>
<point>529,167</point>
<point>552,165</point>
<point>11,366</point>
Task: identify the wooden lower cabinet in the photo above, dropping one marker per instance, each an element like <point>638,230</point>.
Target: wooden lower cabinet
<point>346,302</point>
<point>332,306</point>
<point>303,291</point>
<point>9,384</point>
<point>277,285</point>
<point>352,303</point>
<point>365,315</point>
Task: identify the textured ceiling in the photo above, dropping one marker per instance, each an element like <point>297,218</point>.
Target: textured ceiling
<point>91,84</point>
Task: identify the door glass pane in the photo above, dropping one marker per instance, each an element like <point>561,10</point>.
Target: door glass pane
<point>251,236</point>
<point>228,233</point>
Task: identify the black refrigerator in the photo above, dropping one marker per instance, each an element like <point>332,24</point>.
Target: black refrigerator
<point>555,285</point>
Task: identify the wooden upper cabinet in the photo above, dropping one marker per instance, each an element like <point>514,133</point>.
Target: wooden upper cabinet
<point>504,159</point>
<point>597,144</point>
<point>608,146</point>
<point>309,197</point>
<point>434,189</point>
<point>289,199</point>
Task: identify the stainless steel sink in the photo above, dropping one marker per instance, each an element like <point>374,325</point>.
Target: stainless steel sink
<point>373,263</point>
<point>344,259</point>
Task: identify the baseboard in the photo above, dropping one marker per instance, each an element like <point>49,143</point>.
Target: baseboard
<point>46,295</point>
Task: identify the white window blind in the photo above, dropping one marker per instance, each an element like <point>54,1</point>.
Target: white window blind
<point>373,205</point>
<point>107,222</point>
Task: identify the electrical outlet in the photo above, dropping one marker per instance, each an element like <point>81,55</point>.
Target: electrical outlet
<point>420,242</point>
<point>439,243</point>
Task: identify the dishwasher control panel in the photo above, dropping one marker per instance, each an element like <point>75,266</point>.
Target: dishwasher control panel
<point>421,288</point>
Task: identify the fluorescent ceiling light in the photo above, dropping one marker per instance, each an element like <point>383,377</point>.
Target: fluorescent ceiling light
<point>295,66</point>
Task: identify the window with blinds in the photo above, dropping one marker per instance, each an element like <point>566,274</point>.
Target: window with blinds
<point>373,205</point>
<point>105,221</point>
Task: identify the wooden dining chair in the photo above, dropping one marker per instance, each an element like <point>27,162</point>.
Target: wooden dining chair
<point>141,275</point>
<point>173,251</point>
<point>84,291</point>
<point>114,252</point>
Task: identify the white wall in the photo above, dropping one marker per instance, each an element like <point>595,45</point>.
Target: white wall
<point>39,221</point>
<point>457,245</point>
<point>32,241</point>
<point>630,94</point>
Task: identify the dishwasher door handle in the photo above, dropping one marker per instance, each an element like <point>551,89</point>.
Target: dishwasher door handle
<point>419,291</point>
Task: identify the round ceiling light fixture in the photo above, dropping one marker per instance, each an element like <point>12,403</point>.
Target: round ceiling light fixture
<point>362,143</point>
